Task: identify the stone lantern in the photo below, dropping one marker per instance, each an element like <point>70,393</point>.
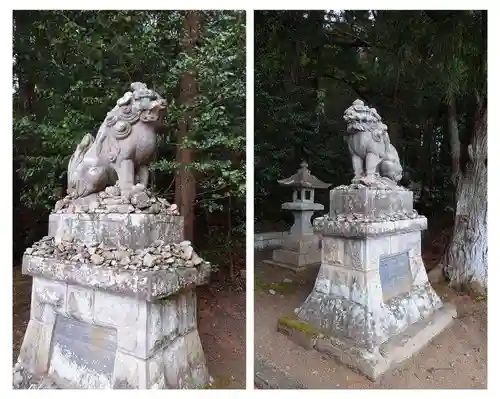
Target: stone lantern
<point>301,248</point>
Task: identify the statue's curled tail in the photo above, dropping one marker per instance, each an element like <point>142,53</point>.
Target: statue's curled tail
<point>75,161</point>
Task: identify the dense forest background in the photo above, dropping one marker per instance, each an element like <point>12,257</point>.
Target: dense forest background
<point>70,67</point>
<point>425,73</point>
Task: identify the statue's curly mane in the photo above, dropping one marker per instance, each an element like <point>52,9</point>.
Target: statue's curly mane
<point>142,105</point>
<point>361,118</point>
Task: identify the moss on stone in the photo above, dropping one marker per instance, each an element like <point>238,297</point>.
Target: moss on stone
<point>219,382</point>
<point>295,324</point>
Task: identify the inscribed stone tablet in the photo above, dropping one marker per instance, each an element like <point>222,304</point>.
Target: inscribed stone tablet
<point>83,354</point>
<point>395,274</point>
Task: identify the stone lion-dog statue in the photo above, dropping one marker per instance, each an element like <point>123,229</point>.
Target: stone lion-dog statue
<point>123,148</point>
<point>374,159</point>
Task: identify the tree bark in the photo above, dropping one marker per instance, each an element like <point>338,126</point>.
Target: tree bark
<point>455,144</point>
<point>185,182</point>
<point>466,259</point>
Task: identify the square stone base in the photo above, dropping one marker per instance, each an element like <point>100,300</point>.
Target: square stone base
<point>377,361</point>
<point>298,253</point>
<point>292,260</point>
<point>82,337</point>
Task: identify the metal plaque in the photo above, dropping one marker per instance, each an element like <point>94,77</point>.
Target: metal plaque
<point>395,274</point>
<point>83,354</point>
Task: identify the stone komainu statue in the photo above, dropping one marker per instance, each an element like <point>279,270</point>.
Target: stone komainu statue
<point>373,155</point>
<point>123,148</point>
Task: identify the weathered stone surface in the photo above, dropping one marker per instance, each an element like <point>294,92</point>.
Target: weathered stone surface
<point>395,274</point>
<point>123,148</point>
<point>270,240</point>
<point>372,286</point>
<point>368,326</point>
<point>82,354</point>
<point>365,254</point>
<point>112,301</point>
<point>294,260</point>
<point>23,379</point>
<point>146,285</point>
<point>373,362</point>
<point>302,244</point>
<point>342,227</point>
<point>366,134</point>
<point>179,365</point>
<point>124,344</point>
<point>298,251</point>
<point>80,303</point>
<point>370,204</point>
<point>112,230</point>
<point>35,349</point>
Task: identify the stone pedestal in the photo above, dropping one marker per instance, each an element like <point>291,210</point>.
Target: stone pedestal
<point>96,326</point>
<point>372,305</point>
<point>301,249</point>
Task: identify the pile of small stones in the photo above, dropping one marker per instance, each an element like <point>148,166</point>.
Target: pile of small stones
<point>159,256</point>
<point>361,218</point>
<point>111,201</point>
<point>378,184</point>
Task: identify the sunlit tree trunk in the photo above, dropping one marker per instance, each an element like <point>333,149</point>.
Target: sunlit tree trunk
<point>466,259</point>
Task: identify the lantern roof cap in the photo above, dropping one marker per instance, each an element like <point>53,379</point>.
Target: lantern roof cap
<point>303,179</point>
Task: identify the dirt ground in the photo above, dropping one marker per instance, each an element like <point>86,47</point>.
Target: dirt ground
<point>457,358</point>
<point>221,323</point>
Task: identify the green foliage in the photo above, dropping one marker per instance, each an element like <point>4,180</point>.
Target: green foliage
<point>310,66</point>
<point>81,62</point>
<point>70,67</point>
<point>218,125</point>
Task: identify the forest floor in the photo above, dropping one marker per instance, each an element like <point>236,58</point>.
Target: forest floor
<point>221,323</point>
<point>457,358</point>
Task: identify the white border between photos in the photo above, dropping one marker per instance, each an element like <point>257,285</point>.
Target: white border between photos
<point>249,6</point>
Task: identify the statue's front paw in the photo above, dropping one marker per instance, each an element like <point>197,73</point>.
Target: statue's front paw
<point>368,179</point>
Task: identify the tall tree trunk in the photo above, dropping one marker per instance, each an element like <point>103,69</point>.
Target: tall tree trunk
<point>455,145</point>
<point>466,259</point>
<point>185,182</point>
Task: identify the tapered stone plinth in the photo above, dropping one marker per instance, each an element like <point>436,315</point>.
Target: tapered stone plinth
<point>372,305</point>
